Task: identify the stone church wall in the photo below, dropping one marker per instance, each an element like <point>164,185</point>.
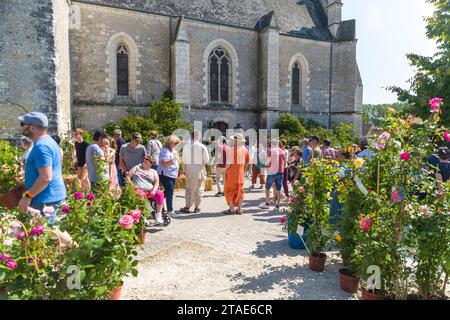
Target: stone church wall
<point>317,56</point>
<point>89,35</point>
<point>31,32</point>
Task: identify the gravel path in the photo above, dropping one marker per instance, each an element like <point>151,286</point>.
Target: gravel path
<point>213,256</point>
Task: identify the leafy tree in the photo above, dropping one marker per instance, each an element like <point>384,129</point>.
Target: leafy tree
<point>432,78</point>
<point>163,116</point>
<point>375,113</point>
<point>291,128</point>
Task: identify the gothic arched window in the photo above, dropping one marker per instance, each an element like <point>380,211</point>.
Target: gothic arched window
<point>122,70</point>
<point>219,76</point>
<point>296,84</point>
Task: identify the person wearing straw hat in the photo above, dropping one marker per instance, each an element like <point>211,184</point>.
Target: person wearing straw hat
<point>234,182</point>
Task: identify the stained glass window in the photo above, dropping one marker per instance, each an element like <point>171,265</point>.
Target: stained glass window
<point>122,71</point>
<point>296,84</point>
<point>219,75</point>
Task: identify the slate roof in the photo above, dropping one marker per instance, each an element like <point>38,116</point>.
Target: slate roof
<point>302,18</point>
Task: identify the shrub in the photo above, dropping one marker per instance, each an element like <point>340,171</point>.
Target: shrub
<point>163,116</point>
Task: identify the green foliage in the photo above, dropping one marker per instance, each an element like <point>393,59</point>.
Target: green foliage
<point>68,147</point>
<point>9,166</point>
<point>399,227</point>
<point>310,204</point>
<point>351,198</point>
<point>376,113</point>
<point>294,129</point>
<point>103,255</point>
<point>432,78</point>
<point>163,116</point>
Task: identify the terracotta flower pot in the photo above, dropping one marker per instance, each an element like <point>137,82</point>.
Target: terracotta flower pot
<point>142,236</point>
<point>348,282</point>
<point>11,199</point>
<point>367,295</point>
<point>317,263</point>
<point>115,293</point>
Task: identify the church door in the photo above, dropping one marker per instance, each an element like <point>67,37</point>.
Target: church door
<point>222,126</point>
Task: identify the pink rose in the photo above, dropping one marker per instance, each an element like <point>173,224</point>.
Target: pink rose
<point>135,214</point>
<point>405,156</point>
<point>379,146</point>
<point>140,193</point>
<point>435,104</point>
<point>126,222</point>
<point>15,225</point>
<point>66,209</point>
<point>90,196</point>
<point>11,264</point>
<point>5,257</point>
<point>48,210</point>
<point>78,195</point>
<point>283,220</point>
<point>395,196</point>
<point>385,136</point>
<point>365,224</point>
<point>294,200</point>
<point>301,190</point>
<point>20,236</point>
<point>447,136</point>
<point>37,230</point>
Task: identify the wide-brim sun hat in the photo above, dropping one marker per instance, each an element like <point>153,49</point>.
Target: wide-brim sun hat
<point>238,137</point>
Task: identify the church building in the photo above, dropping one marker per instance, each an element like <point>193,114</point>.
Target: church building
<point>230,63</point>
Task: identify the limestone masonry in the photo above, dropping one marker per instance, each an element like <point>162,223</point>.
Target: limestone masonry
<point>229,62</point>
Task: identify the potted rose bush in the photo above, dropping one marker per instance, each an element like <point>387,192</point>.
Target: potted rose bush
<point>134,202</point>
<point>296,216</point>
<point>107,239</point>
<point>320,178</point>
<point>30,256</point>
<point>350,198</point>
<point>393,233</point>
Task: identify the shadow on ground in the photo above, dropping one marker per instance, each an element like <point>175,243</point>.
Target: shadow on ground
<point>297,282</point>
<point>274,249</point>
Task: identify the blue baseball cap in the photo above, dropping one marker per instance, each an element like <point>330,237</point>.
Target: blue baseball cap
<point>35,118</point>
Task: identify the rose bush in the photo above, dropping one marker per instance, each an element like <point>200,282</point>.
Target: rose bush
<point>9,167</point>
<point>403,227</point>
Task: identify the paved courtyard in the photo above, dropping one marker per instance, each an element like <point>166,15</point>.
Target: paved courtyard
<point>214,256</point>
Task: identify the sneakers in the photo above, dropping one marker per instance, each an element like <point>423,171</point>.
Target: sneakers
<point>197,210</point>
<point>159,220</point>
<point>219,194</point>
<point>264,206</point>
<point>172,214</point>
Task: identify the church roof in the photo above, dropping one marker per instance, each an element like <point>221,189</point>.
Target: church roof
<point>302,18</point>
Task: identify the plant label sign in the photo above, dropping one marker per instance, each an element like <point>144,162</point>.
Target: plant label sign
<point>361,186</point>
<point>300,230</point>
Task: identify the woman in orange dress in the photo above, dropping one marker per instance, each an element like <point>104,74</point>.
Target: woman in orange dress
<point>234,182</point>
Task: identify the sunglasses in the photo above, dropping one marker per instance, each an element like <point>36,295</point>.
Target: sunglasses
<point>22,124</point>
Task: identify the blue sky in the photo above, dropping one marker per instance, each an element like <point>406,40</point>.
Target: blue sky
<point>387,30</point>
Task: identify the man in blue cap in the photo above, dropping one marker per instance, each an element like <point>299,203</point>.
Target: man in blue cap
<point>43,174</point>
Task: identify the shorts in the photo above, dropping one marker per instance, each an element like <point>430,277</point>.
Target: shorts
<point>277,179</point>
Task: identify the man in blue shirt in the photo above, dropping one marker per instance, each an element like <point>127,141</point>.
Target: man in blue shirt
<point>43,174</point>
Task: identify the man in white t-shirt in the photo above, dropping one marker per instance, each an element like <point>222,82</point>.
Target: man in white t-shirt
<point>195,158</point>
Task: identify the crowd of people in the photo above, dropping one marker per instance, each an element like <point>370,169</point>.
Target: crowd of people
<point>155,167</point>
